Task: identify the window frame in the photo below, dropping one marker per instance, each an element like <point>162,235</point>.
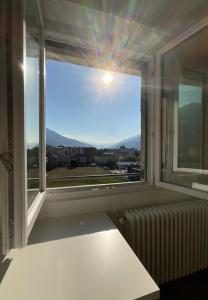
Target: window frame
<point>142,71</point>
<point>34,208</point>
<point>176,168</point>
<point>200,190</point>
<point>24,216</point>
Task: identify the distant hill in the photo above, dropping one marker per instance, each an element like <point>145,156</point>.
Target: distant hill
<point>131,142</point>
<point>55,139</point>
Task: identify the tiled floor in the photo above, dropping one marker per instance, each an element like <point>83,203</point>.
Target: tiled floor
<point>192,287</point>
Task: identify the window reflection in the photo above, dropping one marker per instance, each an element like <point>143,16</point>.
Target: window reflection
<point>185,112</point>
<point>190,121</point>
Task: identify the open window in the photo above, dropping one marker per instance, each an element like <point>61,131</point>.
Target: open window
<point>23,123</point>
<point>34,126</point>
<point>184,78</point>
<point>95,120</point>
<point>95,99</point>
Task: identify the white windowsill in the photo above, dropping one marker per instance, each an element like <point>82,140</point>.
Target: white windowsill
<point>72,193</point>
<point>34,210</point>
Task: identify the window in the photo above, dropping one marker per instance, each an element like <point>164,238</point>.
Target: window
<point>190,121</point>
<point>93,122</point>
<point>32,100</point>
<point>185,112</point>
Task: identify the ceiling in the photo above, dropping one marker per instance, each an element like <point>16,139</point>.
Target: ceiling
<point>193,53</point>
<point>120,29</point>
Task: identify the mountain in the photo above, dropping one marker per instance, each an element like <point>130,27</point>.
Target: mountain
<point>190,129</point>
<point>131,142</point>
<point>55,139</point>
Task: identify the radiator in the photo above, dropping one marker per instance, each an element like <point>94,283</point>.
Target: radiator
<point>170,240</point>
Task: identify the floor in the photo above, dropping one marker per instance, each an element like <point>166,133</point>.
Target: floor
<point>191,287</point>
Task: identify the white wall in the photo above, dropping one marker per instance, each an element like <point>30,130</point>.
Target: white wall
<point>66,204</point>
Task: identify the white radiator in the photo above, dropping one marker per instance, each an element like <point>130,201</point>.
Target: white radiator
<point>170,240</point>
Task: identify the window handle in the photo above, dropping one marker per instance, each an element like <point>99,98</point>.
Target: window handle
<point>7,161</point>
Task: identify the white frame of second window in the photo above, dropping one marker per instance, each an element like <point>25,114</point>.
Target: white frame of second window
<point>176,168</point>
<point>158,116</point>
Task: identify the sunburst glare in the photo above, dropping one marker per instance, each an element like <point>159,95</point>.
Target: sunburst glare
<point>107,78</point>
<point>104,83</point>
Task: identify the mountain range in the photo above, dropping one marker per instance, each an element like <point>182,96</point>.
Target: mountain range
<point>55,139</point>
<point>189,132</point>
<point>131,142</point>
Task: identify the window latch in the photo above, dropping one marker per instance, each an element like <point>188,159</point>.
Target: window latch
<point>7,161</point>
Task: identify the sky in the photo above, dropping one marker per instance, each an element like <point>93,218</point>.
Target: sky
<point>32,101</point>
<point>92,105</point>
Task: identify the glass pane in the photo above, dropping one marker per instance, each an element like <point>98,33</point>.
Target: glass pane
<point>32,99</point>
<point>190,121</point>
<point>93,121</point>
<point>185,112</point>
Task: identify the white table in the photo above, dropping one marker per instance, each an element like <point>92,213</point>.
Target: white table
<point>77,258</point>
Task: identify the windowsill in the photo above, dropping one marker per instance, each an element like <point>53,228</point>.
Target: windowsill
<point>34,210</point>
<point>81,257</point>
<point>73,193</point>
<point>70,202</point>
<point>188,191</point>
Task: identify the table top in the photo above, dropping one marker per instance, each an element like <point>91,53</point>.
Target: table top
<point>76,258</point>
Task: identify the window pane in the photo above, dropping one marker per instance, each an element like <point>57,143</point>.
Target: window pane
<point>93,120</point>
<point>185,112</point>
<point>32,100</point>
<point>190,121</point>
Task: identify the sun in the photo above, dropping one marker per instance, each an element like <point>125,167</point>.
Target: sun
<point>107,78</point>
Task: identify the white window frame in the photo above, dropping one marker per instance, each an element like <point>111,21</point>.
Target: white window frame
<point>148,152</point>
<point>24,218</point>
<point>36,205</point>
<point>199,190</point>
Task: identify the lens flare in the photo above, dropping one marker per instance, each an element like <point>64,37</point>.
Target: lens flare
<point>107,78</point>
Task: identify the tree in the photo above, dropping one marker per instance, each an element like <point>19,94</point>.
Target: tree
<point>136,153</point>
<point>111,163</point>
<point>130,158</point>
<point>73,164</point>
<point>123,147</point>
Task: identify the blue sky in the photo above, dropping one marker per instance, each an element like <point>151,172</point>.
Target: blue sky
<point>80,105</point>
<point>32,102</point>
